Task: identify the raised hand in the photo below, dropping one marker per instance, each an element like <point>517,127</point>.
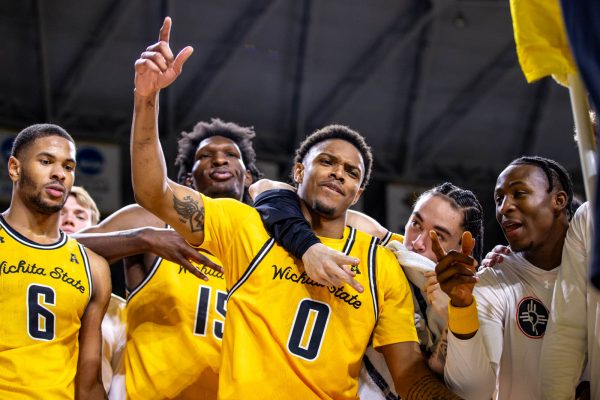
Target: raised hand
<point>456,270</point>
<point>330,267</point>
<point>496,256</point>
<point>157,68</point>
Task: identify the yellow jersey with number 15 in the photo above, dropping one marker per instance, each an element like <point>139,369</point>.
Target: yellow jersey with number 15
<point>175,324</point>
<point>287,336</point>
<point>44,290</point>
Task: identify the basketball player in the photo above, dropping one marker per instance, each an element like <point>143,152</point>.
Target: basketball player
<point>446,209</point>
<point>80,212</point>
<point>286,336</point>
<point>170,312</point>
<point>497,327</point>
<point>54,291</point>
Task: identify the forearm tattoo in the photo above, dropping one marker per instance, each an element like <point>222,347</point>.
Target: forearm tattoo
<point>189,211</point>
<point>428,387</point>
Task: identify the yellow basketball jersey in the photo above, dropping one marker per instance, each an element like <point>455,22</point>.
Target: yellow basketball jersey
<point>287,336</point>
<point>175,326</point>
<point>44,290</point>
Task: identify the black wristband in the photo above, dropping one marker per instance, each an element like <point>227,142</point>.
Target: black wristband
<point>283,219</point>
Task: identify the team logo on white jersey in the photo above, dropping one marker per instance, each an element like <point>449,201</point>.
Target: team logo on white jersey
<point>532,317</point>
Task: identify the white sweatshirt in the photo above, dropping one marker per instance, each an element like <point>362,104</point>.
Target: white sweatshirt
<point>502,360</point>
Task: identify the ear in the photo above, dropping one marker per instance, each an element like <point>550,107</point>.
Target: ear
<point>298,173</point>
<point>248,179</point>
<point>14,169</point>
<point>357,196</point>
<point>560,200</point>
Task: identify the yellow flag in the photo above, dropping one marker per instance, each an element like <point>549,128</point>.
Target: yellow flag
<point>542,44</point>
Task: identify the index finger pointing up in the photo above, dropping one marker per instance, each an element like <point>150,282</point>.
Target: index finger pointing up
<point>165,30</point>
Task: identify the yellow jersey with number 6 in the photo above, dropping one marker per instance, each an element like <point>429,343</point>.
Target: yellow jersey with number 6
<point>44,290</point>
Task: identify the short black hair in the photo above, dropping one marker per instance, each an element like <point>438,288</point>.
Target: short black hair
<point>465,200</point>
<point>556,175</point>
<point>30,134</point>
<point>242,136</point>
<point>338,132</point>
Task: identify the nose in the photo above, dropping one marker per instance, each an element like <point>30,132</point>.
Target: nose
<point>67,219</point>
<point>219,158</point>
<point>58,172</point>
<point>420,244</point>
<point>337,172</point>
<point>506,205</point>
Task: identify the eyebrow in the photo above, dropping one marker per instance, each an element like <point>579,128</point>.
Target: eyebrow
<point>52,156</point>
<point>356,167</point>
<point>436,227</point>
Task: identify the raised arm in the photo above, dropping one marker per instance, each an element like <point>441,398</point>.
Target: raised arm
<point>177,205</point>
<point>474,349</point>
<point>88,379</point>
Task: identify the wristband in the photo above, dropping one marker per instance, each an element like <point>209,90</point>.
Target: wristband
<point>283,219</point>
<point>463,320</point>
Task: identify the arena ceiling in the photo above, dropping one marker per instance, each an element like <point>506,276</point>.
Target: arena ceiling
<point>434,85</point>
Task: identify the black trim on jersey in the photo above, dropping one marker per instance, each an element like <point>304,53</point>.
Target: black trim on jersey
<point>29,243</point>
<point>386,238</point>
<point>143,283</point>
<point>371,266</point>
<point>379,380</point>
<point>350,241</point>
<point>88,269</point>
<point>257,259</point>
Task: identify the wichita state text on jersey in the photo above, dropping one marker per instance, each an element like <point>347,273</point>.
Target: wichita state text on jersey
<point>288,336</point>
<point>44,292</point>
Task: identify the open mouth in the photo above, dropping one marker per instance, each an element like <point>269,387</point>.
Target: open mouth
<point>511,228</point>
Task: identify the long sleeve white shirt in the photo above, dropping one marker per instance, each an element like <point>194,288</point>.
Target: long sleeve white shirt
<point>574,328</point>
<point>502,360</point>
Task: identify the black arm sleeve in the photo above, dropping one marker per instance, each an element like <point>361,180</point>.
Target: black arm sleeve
<point>283,219</point>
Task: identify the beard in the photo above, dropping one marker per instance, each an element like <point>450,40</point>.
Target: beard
<point>323,210</point>
<point>34,197</point>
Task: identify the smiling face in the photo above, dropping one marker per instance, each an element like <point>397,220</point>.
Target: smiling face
<point>433,212</point>
<point>329,177</point>
<point>219,170</point>
<point>525,210</point>
<point>44,173</point>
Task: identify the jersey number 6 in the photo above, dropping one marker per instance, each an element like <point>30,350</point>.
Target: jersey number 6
<point>40,320</point>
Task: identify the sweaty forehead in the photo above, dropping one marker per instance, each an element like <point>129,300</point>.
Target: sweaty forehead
<point>530,175</point>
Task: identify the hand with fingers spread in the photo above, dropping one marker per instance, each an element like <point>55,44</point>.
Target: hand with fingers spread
<point>330,267</point>
<point>168,244</point>
<point>496,256</point>
<point>435,295</point>
<point>455,270</point>
<point>157,68</point>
